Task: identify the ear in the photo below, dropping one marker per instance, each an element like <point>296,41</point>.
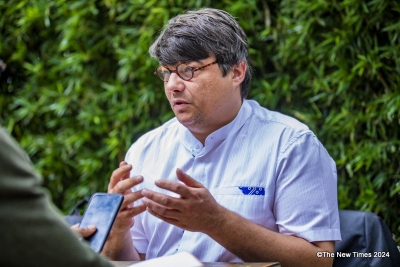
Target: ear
<point>238,73</point>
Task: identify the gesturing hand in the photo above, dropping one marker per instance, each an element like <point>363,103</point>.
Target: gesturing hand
<point>122,184</point>
<point>195,210</point>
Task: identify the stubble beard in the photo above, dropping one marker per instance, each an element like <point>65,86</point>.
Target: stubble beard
<point>196,123</point>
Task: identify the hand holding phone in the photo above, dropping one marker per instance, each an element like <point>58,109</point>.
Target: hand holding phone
<point>101,212</point>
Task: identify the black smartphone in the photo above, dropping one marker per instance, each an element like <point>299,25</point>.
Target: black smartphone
<point>101,211</point>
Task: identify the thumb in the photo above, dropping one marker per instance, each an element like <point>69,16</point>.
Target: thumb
<point>85,231</point>
<point>187,180</point>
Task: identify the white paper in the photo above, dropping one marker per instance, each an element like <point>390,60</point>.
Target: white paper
<point>182,259</point>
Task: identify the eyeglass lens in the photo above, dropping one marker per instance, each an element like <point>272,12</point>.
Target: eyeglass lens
<point>183,71</point>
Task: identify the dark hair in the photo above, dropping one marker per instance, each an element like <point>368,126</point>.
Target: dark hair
<point>196,35</point>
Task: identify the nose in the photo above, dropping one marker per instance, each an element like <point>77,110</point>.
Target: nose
<point>174,84</point>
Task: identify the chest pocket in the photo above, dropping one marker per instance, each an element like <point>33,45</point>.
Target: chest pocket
<point>248,201</point>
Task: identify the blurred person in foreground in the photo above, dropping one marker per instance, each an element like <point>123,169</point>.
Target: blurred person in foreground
<point>225,179</point>
<point>32,232</point>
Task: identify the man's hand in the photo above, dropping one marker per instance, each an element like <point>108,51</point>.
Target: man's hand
<point>119,246</point>
<point>122,184</point>
<point>195,210</point>
<point>84,232</point>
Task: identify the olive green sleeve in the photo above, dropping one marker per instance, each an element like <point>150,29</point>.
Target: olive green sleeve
<point>32,232</point>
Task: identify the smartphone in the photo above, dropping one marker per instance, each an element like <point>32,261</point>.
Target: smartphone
<point>101,211</point>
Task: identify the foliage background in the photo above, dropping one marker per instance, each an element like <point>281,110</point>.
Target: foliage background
<point>79,87</point>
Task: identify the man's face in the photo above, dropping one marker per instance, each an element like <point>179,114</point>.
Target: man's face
<point>205,102</point>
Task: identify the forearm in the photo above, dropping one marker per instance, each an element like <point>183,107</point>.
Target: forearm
<point>120,248</point>
<point>251,242</point>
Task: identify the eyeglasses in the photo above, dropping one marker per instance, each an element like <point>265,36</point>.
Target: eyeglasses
<point>184,71</point>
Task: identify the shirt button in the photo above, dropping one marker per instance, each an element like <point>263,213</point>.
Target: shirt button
<point>197,146</point>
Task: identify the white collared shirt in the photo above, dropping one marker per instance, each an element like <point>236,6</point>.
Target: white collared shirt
<point>267,167</point>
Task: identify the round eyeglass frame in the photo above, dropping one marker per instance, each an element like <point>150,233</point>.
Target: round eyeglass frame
<point>193,70</point>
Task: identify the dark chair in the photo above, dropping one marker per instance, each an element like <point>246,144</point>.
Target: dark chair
<point>366,234</point>
<point>75,215</point>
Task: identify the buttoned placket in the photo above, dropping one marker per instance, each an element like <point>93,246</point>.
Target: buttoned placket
<point>199,154</point>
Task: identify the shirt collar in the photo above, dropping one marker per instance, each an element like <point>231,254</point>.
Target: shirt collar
<point>216,137</point>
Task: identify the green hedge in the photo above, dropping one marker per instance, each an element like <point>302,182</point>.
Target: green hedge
<point>79,87</point>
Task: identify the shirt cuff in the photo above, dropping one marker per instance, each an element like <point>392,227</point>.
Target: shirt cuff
<point>140,245</point>
<point>321,235</point>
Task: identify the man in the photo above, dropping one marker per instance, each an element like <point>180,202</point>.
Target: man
<point>226,179</point>
<point>32,233</point>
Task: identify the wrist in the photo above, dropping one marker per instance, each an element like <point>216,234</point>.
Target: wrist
<point>116,244</point>
<point>219,222</point>
<point>118,235</point>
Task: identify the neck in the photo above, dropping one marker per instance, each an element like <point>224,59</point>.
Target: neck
<point>203,131</point>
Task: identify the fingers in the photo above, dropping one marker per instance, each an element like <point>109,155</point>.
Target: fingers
<point>119,174</point>
<point>161,211</point>
<point>130,198</point>
<point>166,219</point>
<point>123,186</point>
<point>131,212</point>
<point>187,180</point>
<point>175,187</point>
<point>123,163</point>
<point>163,200</point>
<point>85,231</point>
<point>181,189</point>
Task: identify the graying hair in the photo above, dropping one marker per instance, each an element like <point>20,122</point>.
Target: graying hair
<point>196,35</point>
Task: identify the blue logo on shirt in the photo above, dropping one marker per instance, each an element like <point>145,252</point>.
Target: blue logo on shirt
<point>260,191</point>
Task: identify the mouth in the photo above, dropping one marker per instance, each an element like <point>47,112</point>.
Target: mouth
<point>179,102</point>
